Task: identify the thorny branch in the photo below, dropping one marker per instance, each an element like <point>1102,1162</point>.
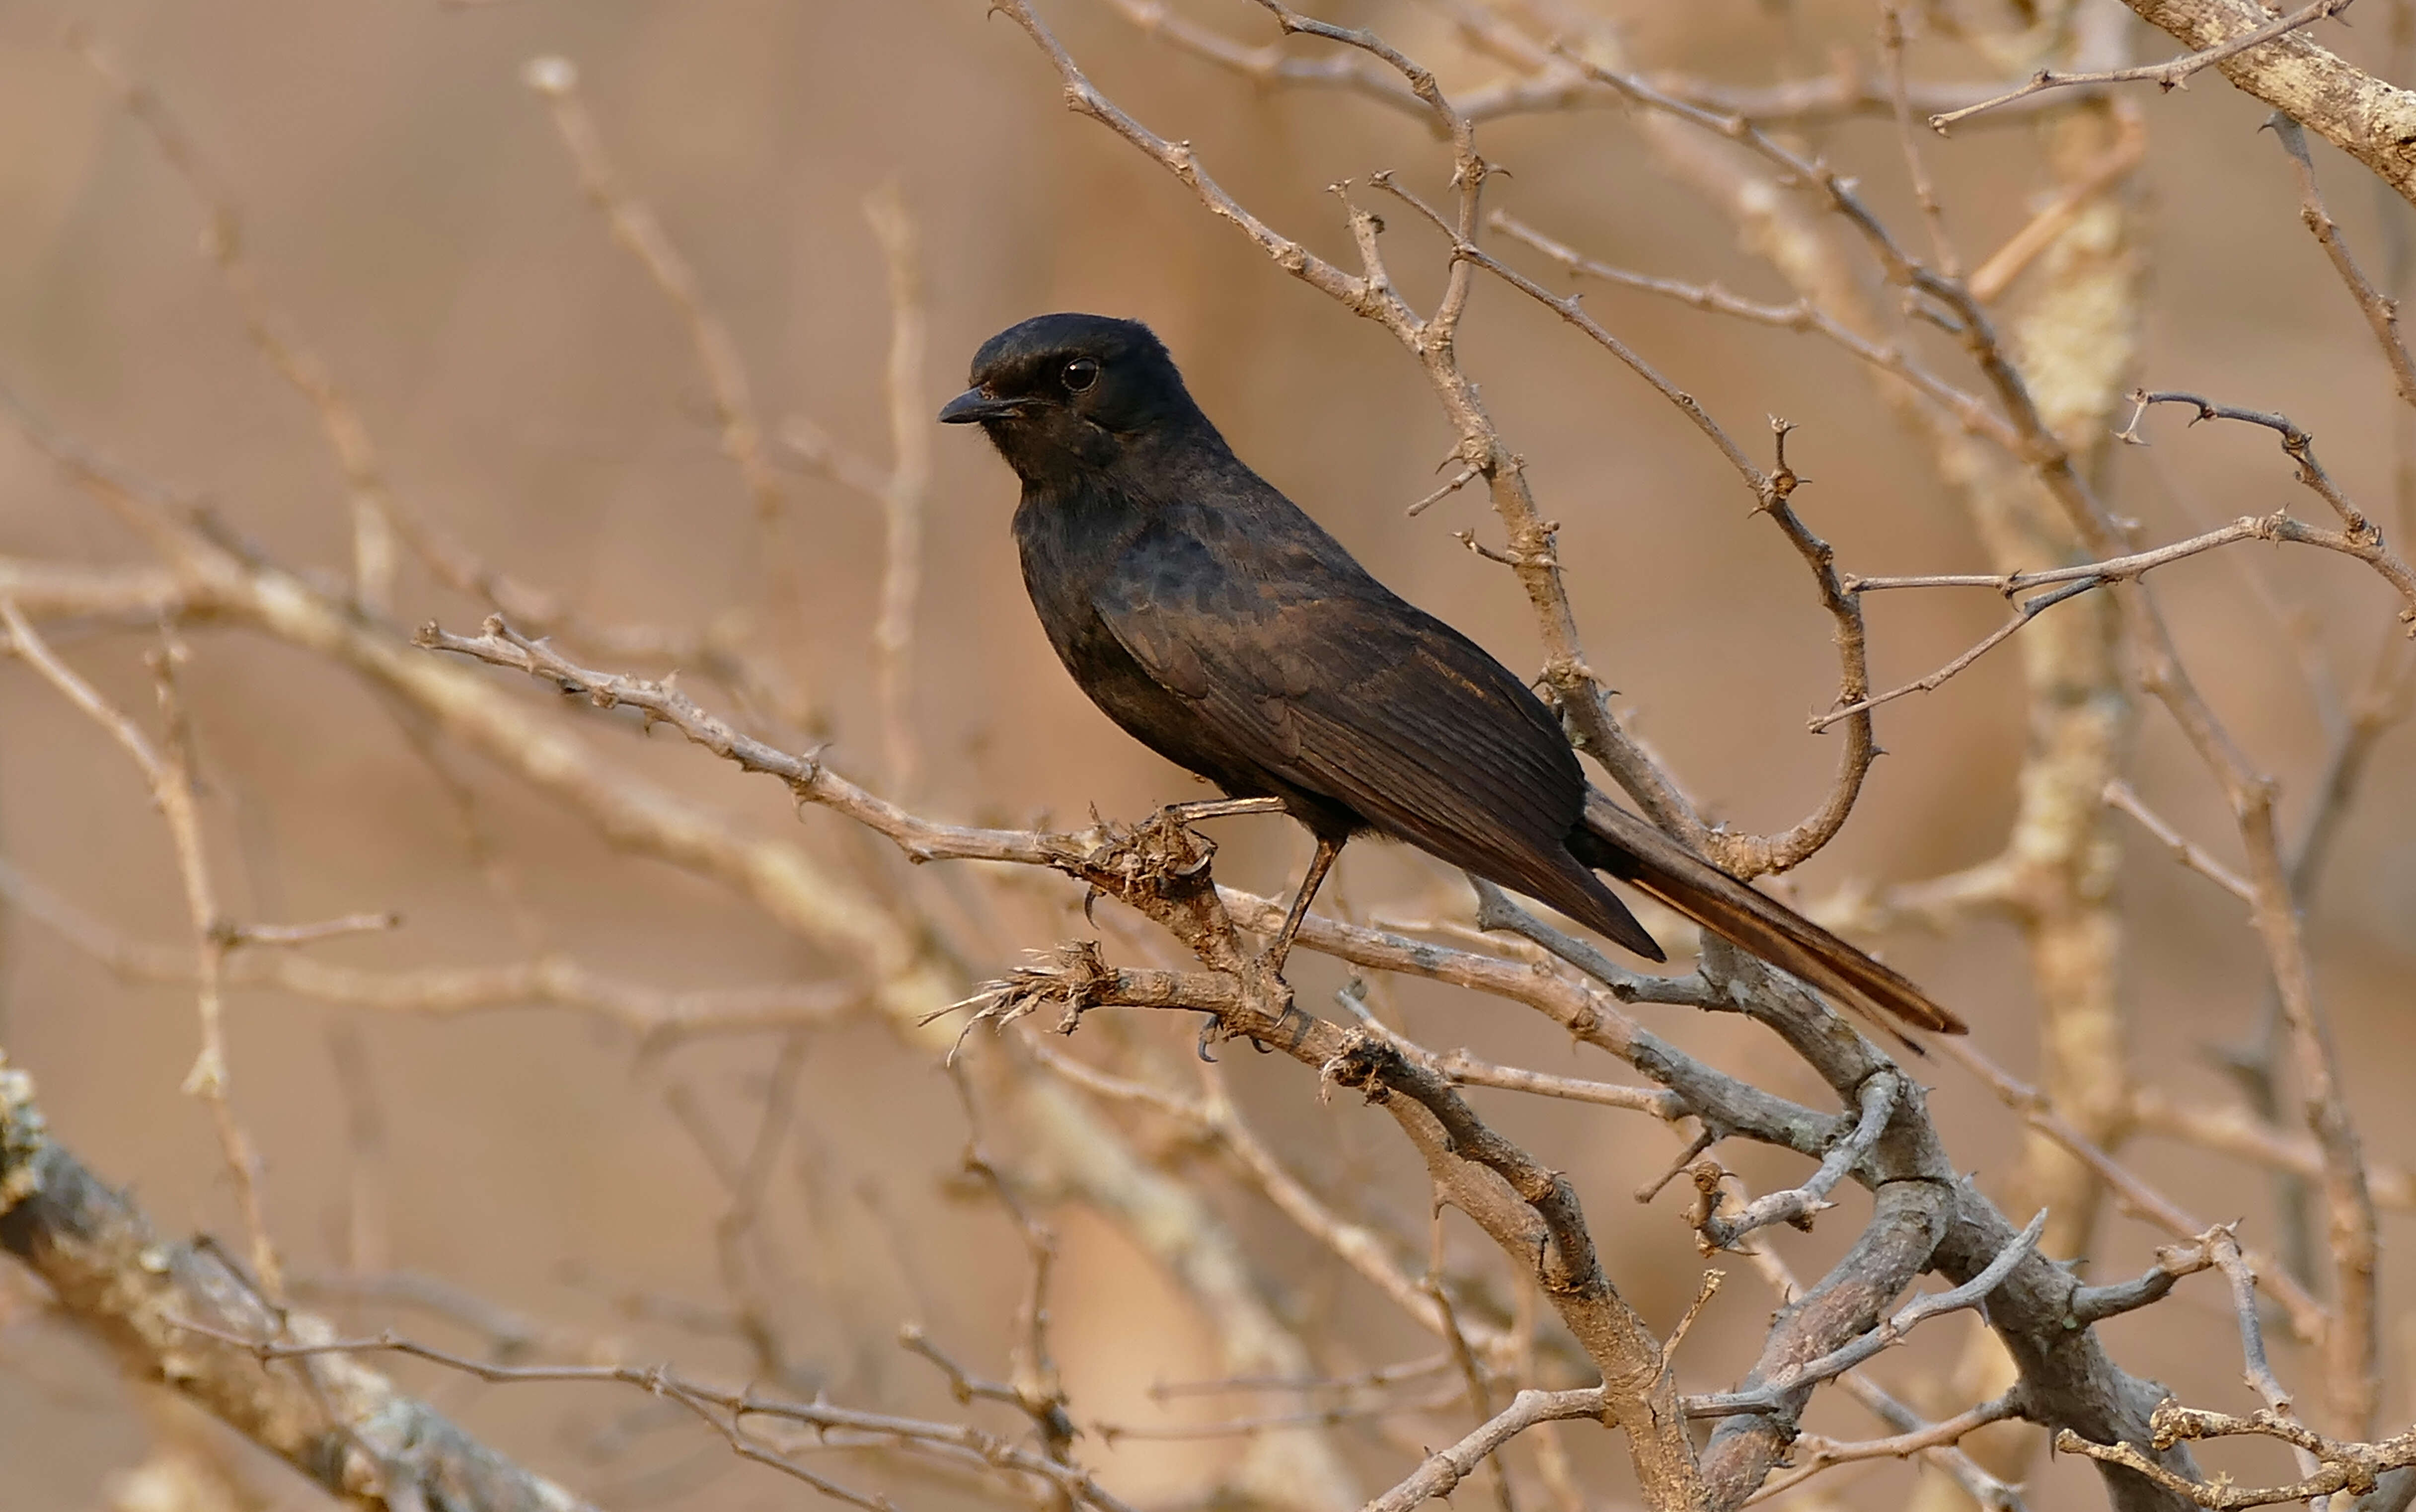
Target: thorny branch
<point>2172,74</point>
<point>1160,870</point>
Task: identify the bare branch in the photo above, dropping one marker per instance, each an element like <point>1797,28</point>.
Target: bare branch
<point>1971,1293</point>
<point>2120,795</point>
<point>1445,1469</point>
<point>2027,610</point>
<point>2167,75</point>
<point>169,1307</point>
<point>2365,116</point>
<point>2381,314</point>
<point>659,1016</point>
<point>172,791</point>
<point>1798,1205</point>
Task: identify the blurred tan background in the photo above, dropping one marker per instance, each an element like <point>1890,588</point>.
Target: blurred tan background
<point>410,207</point>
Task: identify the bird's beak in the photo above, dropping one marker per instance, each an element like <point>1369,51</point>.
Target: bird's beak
<point>974,406</point>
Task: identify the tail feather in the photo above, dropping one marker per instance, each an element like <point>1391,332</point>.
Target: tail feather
<point>1634,851</point>
<point>1580,894</point>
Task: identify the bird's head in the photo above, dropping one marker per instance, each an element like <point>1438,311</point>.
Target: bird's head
<point>1073,392</point>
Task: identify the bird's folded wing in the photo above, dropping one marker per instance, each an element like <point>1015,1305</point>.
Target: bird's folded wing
<point>1352,694</point>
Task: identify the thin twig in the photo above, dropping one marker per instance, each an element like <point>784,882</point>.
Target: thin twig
<point>2381,314</point>
<point>1803,315</point>
<point>1798,1205</point>
<point>1993,278</point>
<point>302,934</point>
<point>1971,1293</point>
<point>726,1411</point>
<point>2308,1318</point>
<point>2168,75</point>
<point>662,1016</point>
<point>1925,195</point>
<point>2118,794</point>
<point>171,793</point>
<point>2027,610</point>
<point>376,515</point>
<point>1446,1468</point>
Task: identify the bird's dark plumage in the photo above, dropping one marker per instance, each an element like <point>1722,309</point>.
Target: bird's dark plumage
<point>1217,623</point>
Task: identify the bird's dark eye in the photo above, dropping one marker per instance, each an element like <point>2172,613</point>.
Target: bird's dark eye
<point>1080,375</point>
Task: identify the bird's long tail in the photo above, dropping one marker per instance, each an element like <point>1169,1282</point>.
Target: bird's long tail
<point>1632,850</point>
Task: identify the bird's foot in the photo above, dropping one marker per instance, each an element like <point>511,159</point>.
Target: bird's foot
<point>1160,851</point>
<point>1263,973</point>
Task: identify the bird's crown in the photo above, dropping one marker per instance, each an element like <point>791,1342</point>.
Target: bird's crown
<point>1029,353</point>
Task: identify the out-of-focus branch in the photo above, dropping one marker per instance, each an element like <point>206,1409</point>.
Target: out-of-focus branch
<point>337,1422</point>
<point>2242,1133</point>
<point>171,784</point>
<point>380,518</point>
<point>1805,314</point>
<point>902,492</point>
<point>1034,1388</point>
<point>1893,41</point>
<point>660,1015</point>
<point>1357,1246</point>
<point>737,1415</point>
<point>1846,92</point>
<point>133,595</point>
<point>636,227</point>
<point>2079,190</point>
<point>376,515</point>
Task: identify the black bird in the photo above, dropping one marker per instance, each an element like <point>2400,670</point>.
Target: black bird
<point>1217,623</point>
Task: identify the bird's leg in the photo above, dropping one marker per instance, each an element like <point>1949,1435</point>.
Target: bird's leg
<point>1319,864</point>
<point>1270,960</point>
